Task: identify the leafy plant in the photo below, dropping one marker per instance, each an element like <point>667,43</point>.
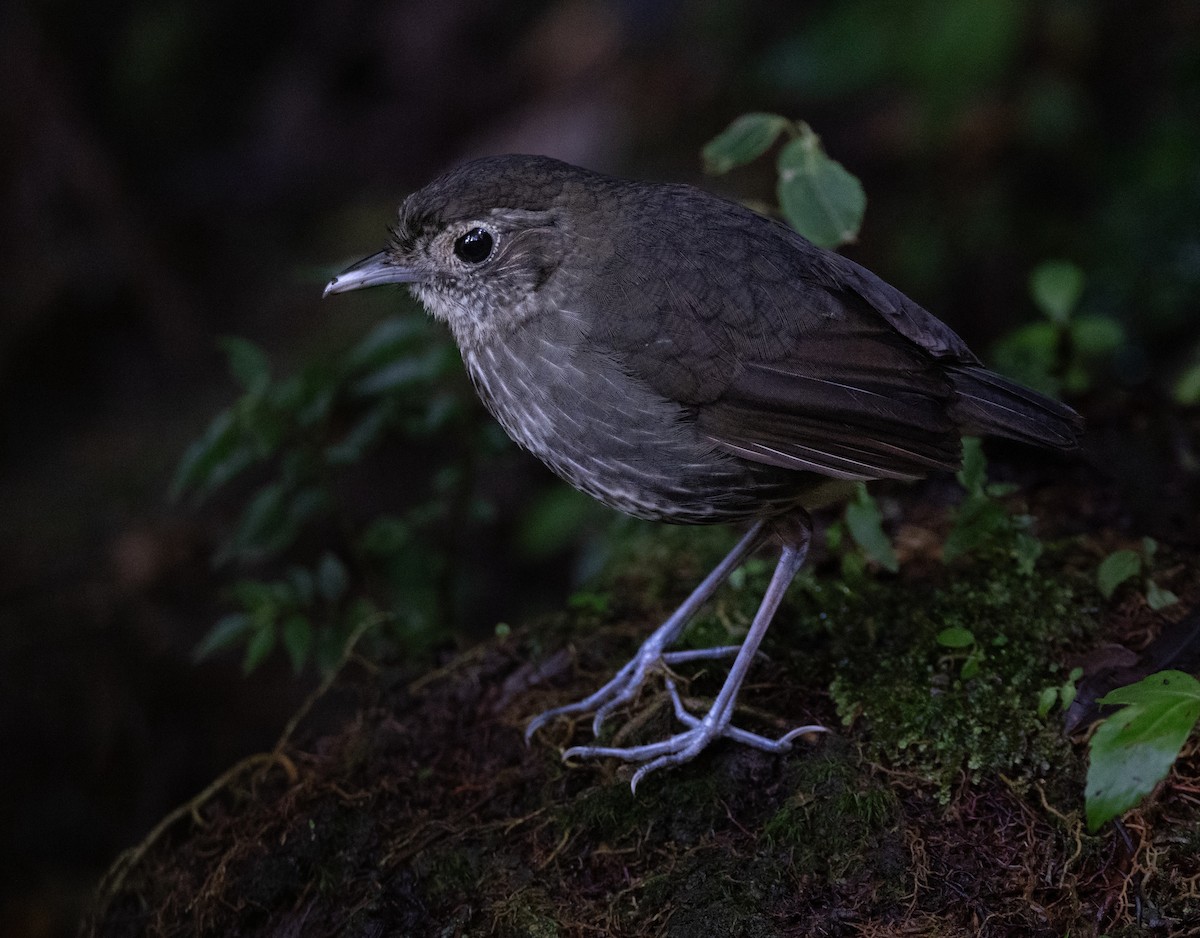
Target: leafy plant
<point>1123,565</point>
<point>818,196</point>
<point>1064,352</point>
<point>982,517</point>
<point>1063,693</point>
<point>959,639</point>
<point>1134,748</point>
<point>283,449</point>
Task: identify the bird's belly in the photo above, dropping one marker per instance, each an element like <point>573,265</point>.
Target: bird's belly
<point>611,438</point>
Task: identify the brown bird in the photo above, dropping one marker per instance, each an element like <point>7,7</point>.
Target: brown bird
<point>682,358</point>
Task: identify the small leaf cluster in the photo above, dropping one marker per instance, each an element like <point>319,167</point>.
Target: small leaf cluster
<point>1123,565</point>
<point>982,519</point>
<point>862,520</point>
<point>1065,352</point>
<point>282,451</point>
<point>818,196</point>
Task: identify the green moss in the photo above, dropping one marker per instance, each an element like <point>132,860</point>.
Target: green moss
<point>447,871</point>
<point>923,705</point>
<point>682,808</point>
<point>836,815</point>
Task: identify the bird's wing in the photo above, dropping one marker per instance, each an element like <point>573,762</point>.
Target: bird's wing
<point>789,355</point>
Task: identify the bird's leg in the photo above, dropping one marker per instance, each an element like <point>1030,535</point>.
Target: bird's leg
<point>625,684</point>
<point>701,731</point>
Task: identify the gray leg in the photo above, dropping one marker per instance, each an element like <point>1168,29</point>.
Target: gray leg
<point>684,746</point>
<point>625,684</point>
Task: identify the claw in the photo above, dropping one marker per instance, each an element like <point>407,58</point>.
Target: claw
<point>716,723</point>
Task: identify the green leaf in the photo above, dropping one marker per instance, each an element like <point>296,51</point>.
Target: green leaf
<point>1134,748</point>
<point>1056,287</point>
<point>248,364</point>
<point>865,523</point>
<point>1069,690</point>
<point>1158,598</point>
<point>265,526</point>
<point>745,139</point>
<point>406,372</point>
<point>971,666</point>
<point>386,341</point>
<point>219,441</point>
<point>819,197</point>
<point>1187,387</point>
<point>1115,569</point>
<point>1030,355</point>
<point>1027,549</point>
<point>261,643</point>
<point>973,473</point>
<point>1046,701</point>
<point>302,584</point>
<point>332,579</point>
<point>297,635</point>
<point>362,435</point>
<point>1097,336</point>
<point>226,632</point>
<point>978,520</point>
<point>956,637</point>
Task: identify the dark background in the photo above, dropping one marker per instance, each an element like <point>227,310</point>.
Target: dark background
<point>176,171</point>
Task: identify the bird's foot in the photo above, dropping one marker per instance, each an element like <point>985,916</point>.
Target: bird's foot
<point>685,746</point>
<point>626,683</point>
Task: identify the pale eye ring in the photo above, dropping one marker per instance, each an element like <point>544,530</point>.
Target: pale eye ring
<point>474,246</point>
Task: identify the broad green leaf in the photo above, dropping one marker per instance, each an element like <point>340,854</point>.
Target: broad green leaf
<point>1030,355</point>
<point>956,637</point>
<point>865,523</point>
<point>1046,701</point>
<point>973,473</point>
<point>332,579</point>
<point>1056,287</point>
<point>219,442</point>
<point>819,197</point>
<point>261,643</point>
<point>553,521</point>
<point>226,632</point>
<point>978,520</point>
<point>248,364</point>
<point>1097,336</point>
<point>404,372</point>
<point>302,584</point>
<point>1134,748</point>
<point>1187,387</point>
<point>265,525</point>
<point>1158,598</point>
<point>1028,549</point>
<point>1069,690</point>
<point>1115,569</point>
<point>386,341</point>
<point>362,435</point>
<point>297,634</point>
<point>746,138</point>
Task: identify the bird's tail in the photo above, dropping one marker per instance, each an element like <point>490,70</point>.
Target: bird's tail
<point>988,403</point>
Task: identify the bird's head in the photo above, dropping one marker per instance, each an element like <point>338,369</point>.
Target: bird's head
<point>483,246</point>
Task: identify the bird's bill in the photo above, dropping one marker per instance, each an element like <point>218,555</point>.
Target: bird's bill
<point>370,272</point>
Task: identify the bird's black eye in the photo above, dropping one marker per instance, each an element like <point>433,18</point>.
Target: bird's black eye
<point>475,246</point>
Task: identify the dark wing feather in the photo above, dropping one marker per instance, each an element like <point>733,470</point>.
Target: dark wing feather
<point>851,404</point>
<point>780,347</point>
<point>795,356</point>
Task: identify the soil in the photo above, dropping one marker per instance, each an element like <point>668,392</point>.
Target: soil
<point>402,802</point>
